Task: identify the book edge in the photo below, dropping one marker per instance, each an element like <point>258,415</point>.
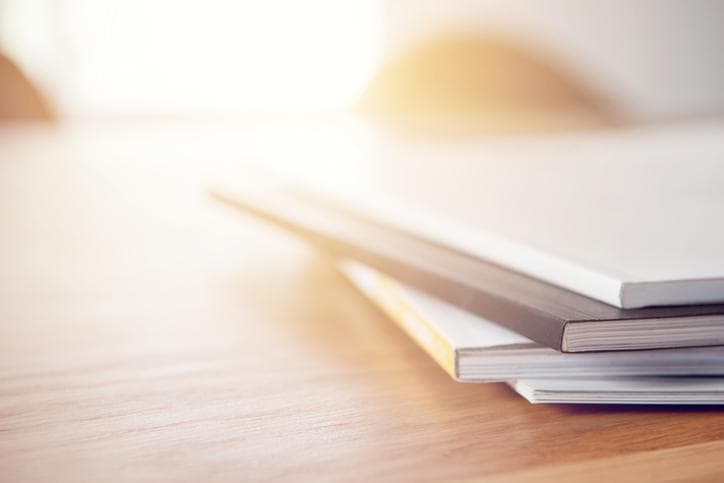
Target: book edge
<point>382,291</point>
<point>593,282</point>
<point>636,295</point>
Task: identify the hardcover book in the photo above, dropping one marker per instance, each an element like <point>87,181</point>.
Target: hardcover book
<point>629,217</point>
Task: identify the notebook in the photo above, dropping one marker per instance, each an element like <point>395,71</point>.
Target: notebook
<point>472,349</point>
<point>543,312</point>
<point>628,217</point>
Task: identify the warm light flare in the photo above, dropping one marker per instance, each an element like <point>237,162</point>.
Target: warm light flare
<point>189,56</point>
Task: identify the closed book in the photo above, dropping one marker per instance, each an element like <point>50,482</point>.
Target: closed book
<point>630,217</point>
<point>472,349</point>
<point>543,312</point>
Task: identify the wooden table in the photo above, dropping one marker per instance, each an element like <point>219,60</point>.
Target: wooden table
<point>147,334</point>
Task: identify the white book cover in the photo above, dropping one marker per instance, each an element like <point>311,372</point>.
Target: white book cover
<point>472,349</point>
<point>632,217</point>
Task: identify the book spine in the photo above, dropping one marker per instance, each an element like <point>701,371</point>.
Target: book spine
<point>383,292</point>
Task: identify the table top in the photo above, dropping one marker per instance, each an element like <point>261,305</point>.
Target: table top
<point>147,333</point>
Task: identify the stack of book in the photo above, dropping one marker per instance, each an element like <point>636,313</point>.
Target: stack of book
<point>581,269</point>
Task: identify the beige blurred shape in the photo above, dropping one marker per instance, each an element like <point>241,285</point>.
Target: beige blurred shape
<point>485,84</point>
<point>19,99</point>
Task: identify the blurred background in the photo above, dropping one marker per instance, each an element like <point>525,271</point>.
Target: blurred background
<point>642,60</point>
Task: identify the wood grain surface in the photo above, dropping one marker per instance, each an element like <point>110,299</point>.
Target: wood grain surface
<point>148,334</point>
